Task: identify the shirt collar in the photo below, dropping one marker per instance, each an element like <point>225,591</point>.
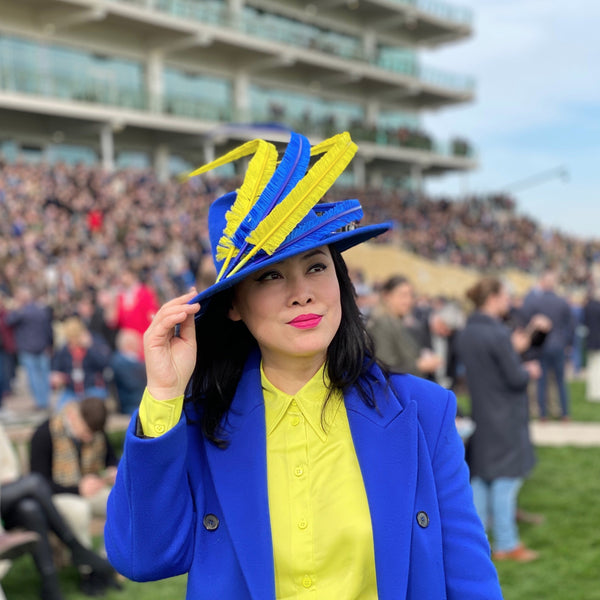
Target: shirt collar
<point>308,402</point>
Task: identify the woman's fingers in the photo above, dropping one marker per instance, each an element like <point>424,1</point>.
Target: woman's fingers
<point>170,314</point>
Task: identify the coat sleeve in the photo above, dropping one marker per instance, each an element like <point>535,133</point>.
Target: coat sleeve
<point>509,363</point>
<point>470,573</point>
<point>149,531</point>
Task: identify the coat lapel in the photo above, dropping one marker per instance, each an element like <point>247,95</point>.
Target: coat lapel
<point>386,446</point>
<point>240,478</point>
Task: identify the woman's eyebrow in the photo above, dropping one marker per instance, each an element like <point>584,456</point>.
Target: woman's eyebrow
<point>313,253</point>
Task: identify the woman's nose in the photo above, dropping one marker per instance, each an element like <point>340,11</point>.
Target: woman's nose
<point>300,292</point>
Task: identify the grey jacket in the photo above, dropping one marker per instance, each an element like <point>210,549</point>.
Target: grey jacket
<point>497,382</point>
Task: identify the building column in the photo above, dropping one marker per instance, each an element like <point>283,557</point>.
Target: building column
<point>241,97</point>
<point>372,112</point>
<point>416,175</point>
<point>161,162</point>
<point>376,180</point>
<point>154,80</point>
<point>107,147</point>
<point>369,45</point>
<point>235,7</point>
<point>209,151</point>
<point>359,171</point>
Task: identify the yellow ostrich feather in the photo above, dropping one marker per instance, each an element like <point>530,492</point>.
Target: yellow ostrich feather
<point>260,170</point>
<point>275,227</point>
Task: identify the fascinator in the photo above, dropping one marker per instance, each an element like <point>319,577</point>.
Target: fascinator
<point>276,213</point>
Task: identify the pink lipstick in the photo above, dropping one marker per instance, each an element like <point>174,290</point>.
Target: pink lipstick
<point>305,321</point>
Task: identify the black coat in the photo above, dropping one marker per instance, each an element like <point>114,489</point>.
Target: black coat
<point>591,319</point>
<point>497,382</point>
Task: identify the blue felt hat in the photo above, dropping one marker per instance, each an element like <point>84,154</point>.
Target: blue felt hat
<point>276,214</point>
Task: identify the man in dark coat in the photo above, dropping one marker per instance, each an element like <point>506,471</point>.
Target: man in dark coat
<point>32,326</point>
<point>546,301</point>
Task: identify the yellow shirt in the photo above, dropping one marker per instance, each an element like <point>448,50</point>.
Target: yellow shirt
<point>320,521</point>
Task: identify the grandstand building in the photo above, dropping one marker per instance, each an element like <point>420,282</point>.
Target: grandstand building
<point>172,83</point>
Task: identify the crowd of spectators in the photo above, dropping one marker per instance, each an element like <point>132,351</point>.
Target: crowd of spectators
<point>69,232</point>
<point>483,232</point>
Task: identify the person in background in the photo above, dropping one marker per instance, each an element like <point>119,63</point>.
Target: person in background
<point>591,320</point>
<point>296,466</point>
<point>31,322</point>
<point>546,301</point>
<point>500,452</point>
<point>442,325</point>
<point>26,502</point>
<point>395,345</point>
<point>72,452</point>
<point>8,352</point>
<point>128,371</point>
<point>78,365</point>
<point>133,306</point>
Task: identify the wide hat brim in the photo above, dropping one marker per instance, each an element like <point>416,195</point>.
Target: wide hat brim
<point>341,241</point>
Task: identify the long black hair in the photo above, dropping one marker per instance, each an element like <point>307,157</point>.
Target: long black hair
<point>224,346</point>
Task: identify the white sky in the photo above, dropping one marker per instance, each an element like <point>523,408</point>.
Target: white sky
<point>537,69</point>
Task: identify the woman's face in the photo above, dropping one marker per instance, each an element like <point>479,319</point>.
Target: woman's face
<point>502,302</point>
<point>292,308</point>
<point>400,301</point>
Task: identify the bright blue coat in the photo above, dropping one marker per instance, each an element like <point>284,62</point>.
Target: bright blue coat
<point>412,462</point>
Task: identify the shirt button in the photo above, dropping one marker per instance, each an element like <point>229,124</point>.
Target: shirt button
<point>298,471</point>
<point>294,403</point>
<point>295,421</point>
<point>302,524</point>
<point>306,581</point>
<point>159,428</point>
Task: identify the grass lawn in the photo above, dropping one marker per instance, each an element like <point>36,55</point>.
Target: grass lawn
<point>581,409</point>
<point>564,487</point>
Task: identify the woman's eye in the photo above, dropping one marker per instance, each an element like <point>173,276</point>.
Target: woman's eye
<point>317,268</point>
<point>268,276</point>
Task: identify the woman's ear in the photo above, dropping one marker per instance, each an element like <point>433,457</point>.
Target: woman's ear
<point>234,313</point>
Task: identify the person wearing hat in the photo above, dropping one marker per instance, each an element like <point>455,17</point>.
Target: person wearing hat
<point>271,455</point>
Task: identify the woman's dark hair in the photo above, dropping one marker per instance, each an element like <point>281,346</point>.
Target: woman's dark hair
<point>390,284</point>
<point>483,289</point>
<point>224,346</point>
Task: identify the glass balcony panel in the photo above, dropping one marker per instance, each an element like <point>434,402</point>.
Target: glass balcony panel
<point>287,31</point>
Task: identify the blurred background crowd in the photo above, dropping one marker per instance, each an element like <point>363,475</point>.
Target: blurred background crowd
<point>91,247</point>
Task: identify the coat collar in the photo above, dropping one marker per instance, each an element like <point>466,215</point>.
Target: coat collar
<point>385,440</point>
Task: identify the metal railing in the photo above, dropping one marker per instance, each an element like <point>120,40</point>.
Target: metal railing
<point>33,81</point>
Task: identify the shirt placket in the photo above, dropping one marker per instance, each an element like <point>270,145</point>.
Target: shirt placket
<point>302,517</point>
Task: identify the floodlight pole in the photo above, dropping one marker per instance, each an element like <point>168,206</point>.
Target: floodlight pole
<point>537,178</point>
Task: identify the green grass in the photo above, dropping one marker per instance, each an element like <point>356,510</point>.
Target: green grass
<point>564,487</point>
<point>581,409</point>
<point>22,583</point>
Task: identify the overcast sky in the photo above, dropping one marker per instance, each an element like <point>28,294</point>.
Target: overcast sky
<point>537,69</point>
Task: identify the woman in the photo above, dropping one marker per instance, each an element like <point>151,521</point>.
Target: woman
<point>500,450</point>
<point>295,464</point>
<point>26,502</point>
<point>78,366</point>
<point>395,345</point>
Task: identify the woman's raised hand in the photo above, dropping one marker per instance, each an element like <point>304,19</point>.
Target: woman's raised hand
<point>170,359</point>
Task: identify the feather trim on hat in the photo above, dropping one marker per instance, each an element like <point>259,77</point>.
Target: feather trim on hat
<point>260,170</point>
<point>274,228</point>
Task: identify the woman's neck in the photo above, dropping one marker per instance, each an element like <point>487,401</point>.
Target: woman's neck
<point>291,375</point>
